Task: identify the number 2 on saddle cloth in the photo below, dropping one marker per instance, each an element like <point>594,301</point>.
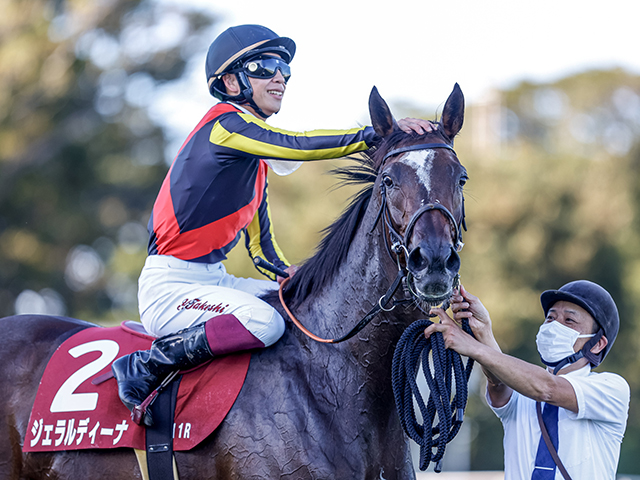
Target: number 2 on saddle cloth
<point>72,412</point>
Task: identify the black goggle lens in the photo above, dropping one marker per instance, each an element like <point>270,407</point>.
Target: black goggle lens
<point>267,68</point>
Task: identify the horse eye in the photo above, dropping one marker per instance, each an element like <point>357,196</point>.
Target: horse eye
<point>463,181</point>
<point>387,181</point>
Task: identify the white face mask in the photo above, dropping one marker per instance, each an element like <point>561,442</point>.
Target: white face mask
<point>555,341</point>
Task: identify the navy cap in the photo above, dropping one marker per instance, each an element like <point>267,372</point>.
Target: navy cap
<point>594,299</point>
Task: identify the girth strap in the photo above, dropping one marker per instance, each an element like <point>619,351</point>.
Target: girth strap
<point>159,437</point>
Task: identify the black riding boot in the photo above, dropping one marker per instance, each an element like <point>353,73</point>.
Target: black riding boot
<point>141,372</point>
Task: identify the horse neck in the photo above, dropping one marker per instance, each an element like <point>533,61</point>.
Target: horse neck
<point>361,281</point>
<point>350,382</point>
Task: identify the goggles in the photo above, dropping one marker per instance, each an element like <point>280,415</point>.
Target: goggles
<point>267,68</point>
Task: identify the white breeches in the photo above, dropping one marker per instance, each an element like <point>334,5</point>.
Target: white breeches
<point>174,294</point>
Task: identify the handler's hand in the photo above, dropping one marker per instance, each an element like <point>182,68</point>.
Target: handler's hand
<point>417,125</point>
<point>466,305</point>
<point>454,337</point>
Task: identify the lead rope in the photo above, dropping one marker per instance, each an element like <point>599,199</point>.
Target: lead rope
<point>412,348</point>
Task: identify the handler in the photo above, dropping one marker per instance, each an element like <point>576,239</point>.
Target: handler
<point>585,412</point>
<point>215,190</point>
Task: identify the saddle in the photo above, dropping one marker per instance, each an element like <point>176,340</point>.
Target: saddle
<point>77,404</point>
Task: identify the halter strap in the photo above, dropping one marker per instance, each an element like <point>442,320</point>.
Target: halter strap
<point>377,308</point>
<point>421,146</point>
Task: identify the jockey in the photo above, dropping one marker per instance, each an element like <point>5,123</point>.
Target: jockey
<point>216,190</point>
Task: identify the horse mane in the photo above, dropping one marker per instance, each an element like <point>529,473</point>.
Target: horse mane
<point>319,270</point>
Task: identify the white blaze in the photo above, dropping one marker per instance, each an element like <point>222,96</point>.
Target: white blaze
<point>422,162</point>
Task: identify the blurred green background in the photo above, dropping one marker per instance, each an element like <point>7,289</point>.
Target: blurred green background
<point>553,195</point>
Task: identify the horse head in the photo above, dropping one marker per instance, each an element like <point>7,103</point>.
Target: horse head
<point>411,207</point>
<point>421,206</point>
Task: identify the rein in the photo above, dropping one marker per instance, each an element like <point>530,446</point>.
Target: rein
<point>377,308</point>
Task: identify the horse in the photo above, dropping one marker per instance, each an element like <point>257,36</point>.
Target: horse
<point>308,409</point>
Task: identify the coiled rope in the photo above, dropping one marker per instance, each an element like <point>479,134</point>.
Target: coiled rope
<point>412,349</point>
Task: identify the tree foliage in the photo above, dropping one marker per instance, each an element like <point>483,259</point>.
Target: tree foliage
<point>80,157</point>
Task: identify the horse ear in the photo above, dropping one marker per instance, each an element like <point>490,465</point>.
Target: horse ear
<point>453,112</point>
<point>381,118</point>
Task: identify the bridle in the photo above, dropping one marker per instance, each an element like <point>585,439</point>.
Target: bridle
<point>413,348</point>
<point>398,247</point>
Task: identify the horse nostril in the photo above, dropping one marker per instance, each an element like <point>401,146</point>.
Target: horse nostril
<point>441,260</point>
<point>453,262</point>
<point>417,261</point>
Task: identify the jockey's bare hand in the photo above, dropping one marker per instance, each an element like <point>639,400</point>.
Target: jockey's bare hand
<point>417,125</point>
<point>290,270</point>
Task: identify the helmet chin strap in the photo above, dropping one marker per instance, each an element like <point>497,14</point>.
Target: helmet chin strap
<point>247,94</point>
<point>557,366</point>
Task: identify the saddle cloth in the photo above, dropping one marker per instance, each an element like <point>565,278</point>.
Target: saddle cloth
<point>70,412</point>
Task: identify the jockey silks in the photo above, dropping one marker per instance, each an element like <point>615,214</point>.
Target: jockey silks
<point>217,185</point>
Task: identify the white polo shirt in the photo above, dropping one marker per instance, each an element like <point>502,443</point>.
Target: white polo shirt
<point>588,442</point>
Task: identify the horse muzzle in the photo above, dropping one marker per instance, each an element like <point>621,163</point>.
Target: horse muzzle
<point>433,271</point>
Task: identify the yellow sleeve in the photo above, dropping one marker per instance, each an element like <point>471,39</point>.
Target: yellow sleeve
<point>261,241</point>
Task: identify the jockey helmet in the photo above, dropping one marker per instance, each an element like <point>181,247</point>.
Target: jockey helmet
<point>232,48</point>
